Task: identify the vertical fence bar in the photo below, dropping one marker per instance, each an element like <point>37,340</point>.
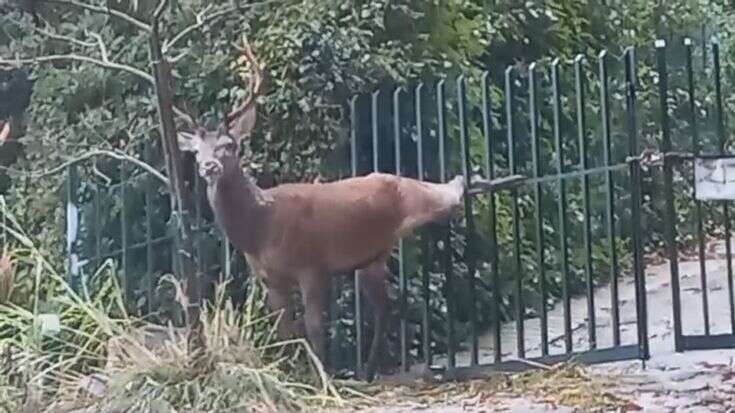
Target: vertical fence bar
<point>470,259</point>
<point>697,204</point>
<point>448,270</point>
<point>579,86</point>
<point>356,275</point>
<point>703,39</point>
<point>426,279</point>
<point>72,225</point>
<point>670,212</point>
<point>493,237</point>
<point>375,99</point>
<point>226,256</point>
<point>97,226</point>
<point>124,232</point>
<point>403,282</point>
<point>610,199</point>
<point>635,203</point>
<point>149,257</point>
<point>512,165</point>
<point>539,224</point>
<point>562,198</point>
<point>725,205</point>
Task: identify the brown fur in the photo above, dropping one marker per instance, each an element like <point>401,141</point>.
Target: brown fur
<point>304,234</point>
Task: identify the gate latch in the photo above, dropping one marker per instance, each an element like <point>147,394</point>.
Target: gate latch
<point>478,186</point>
<point>653,157</point>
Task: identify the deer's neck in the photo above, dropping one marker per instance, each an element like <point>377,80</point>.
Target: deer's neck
<point>241,209</point>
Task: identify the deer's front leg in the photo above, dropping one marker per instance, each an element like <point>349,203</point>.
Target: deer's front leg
<point>278,302</point>
<point>314,290</point>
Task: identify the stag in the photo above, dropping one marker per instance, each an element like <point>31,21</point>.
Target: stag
<point>302,235</point>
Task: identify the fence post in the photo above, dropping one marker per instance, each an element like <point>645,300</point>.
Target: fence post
<point>470,259</point>
<point>403,283</point>
<point>519,308</point>
<point>610,198</point>
<point>670,210</point>
<point>426,279</point>
<point>697,203</point>
<point>356,275</point>
<point>448,269</point>
<point>72,225</point>
<point>635,200</point>
<point>490,173</point>
<point>563,241</point>
<point>579,85</point>
<point>539,223</point>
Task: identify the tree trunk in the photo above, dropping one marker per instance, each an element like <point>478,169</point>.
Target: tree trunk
<point>179,204</point>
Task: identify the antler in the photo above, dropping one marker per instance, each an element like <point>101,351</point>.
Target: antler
<point>256,81</point>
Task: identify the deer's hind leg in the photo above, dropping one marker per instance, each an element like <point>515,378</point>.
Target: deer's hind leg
<point>373,280</point>
<point>315,291</point>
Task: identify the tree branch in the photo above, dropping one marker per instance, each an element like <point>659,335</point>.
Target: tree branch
<point>75,57</point>
<point>104,10</point>
<point>121,156</point>
<point>202,19</point>
<point>54,36</point>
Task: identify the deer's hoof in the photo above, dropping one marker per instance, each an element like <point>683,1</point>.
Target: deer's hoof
<point>368,374</point>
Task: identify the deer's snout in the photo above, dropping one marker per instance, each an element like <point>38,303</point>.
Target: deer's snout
<point>209,169</point>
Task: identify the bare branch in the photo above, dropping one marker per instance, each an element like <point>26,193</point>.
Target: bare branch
<point>75,57</point>
<point>104,10</point>
<point>54,36</point>
<point>121,156</point>
<point>159,9</point>
<point>202,18</point>
<point>101,45</point>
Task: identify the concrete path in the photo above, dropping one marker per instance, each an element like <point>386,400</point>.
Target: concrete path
<point>696,381</point>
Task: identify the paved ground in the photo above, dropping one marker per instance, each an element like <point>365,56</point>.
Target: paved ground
<point>698,381</point>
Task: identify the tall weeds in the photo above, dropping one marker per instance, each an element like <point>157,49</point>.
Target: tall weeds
<point>103,359</point>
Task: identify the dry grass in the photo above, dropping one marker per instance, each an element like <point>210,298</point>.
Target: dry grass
<point>103,359</point>
<point>569,385</point>
<point>7,276</point>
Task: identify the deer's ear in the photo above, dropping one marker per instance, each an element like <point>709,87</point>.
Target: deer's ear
<point>242,125</point>
<point>187,141</point>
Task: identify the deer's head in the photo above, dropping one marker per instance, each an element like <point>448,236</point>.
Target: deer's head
<point>217,151</point>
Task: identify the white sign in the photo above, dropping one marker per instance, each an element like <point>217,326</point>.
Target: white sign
<point>714,178</point>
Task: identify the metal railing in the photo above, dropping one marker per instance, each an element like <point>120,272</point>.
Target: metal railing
<point>581,215</point>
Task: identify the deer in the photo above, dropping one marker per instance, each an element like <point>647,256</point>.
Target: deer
<point>302,235</point>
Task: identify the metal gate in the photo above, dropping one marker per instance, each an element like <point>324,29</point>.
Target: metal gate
<point>673,162</point>
<point>410,131</point>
